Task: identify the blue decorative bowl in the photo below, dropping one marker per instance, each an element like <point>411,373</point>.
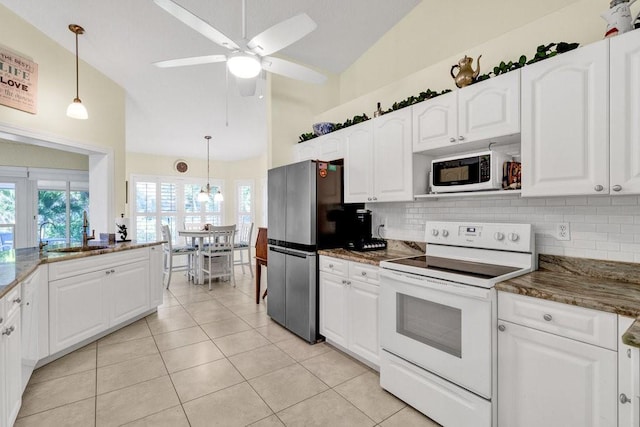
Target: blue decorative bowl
<point>323,128</point>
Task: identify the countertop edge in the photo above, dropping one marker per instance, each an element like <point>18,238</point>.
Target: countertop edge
<point>67,257</point>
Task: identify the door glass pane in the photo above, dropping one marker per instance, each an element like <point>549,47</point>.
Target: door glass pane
<point>145,197</point>
<point>7,215</point>
<point>436,325</point>
<point>52,216</point>
<point>191,204</point>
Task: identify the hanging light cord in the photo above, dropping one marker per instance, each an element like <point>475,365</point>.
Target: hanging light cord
<point>208,138</point>
<point>77,72</point>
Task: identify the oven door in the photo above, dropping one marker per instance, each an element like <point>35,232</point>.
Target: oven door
<point>443,327</point>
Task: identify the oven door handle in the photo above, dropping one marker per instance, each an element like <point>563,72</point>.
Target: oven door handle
<point>436,284</point>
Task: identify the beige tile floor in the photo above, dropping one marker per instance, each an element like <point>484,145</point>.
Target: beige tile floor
<point>209,358</point>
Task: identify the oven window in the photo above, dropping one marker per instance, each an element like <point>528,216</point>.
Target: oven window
<point>436,325</point>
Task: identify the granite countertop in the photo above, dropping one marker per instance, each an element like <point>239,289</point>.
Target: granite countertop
<point>395,249</point>
<point>601,285</point>
<point>17,264</point>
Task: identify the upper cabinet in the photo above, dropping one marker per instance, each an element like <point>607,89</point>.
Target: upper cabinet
<point>378,159</point>
<point>565,135</point>
<point>326,147</point>
<point>483,111</point>
<point>625,114</point>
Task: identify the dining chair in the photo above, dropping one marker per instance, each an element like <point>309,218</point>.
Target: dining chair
<point>169,251</point>
<point>243,244</point>
<point>218,253</point>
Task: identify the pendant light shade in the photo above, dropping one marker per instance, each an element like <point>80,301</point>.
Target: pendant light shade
<point>218,197</point>
<point>76,110</point>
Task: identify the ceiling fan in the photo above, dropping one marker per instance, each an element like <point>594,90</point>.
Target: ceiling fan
<point>247,63</point>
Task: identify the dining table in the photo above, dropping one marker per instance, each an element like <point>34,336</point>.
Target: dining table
<point>200,236</point>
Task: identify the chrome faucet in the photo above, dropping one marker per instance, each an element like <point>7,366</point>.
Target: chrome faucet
<point>85,235</point>
<point>41,243</point>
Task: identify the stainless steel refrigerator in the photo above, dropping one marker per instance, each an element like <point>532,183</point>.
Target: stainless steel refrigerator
<point>305,213</point>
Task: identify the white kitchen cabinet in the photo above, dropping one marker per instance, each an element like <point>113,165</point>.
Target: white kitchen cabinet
<point>378,159</point>
<point>550,370</point>
<point>392,172</point>
<point>565,128</point>
<point>333,308</point>
<point>30,318</point>
<point>358,163</point>
<point>349,308</point>
<point>482,111</point>
<point>129,288</point>
<point>628,379</point>
<point>10,357</point>
<point>78,309</point>
<point>156,287</point>
<point>325,147</point>
<point>625,114</point>
<point>87,296</point>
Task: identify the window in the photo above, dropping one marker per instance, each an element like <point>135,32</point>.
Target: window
<point>61,205</point>
<point>7,215</point>
<point>173,202</point>
<point>244,201</point>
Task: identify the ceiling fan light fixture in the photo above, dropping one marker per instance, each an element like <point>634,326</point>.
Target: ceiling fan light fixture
<point>244,66</point>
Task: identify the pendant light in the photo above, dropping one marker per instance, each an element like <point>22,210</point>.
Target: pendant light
<point>76,110</point>
<point>203,195</point>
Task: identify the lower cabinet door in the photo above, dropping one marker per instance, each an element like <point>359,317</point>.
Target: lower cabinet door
<point>333,308</point>
<point>547,380</point>
<point>363,310</point>
<point>78,309</point>
<point>12,374</point>
<point>129,291</point>
<point>156,287</point>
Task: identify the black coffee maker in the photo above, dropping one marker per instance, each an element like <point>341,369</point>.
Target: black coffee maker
<point>362,239</point>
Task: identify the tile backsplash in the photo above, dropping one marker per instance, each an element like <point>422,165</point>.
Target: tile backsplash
<point>605,227</point>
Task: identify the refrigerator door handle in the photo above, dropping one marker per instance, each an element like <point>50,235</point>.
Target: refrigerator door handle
<point>292,252</point>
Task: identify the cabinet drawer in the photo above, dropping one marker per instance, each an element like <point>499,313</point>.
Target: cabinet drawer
<point>364,273</point>
<point>334,265</point>
<point>581,324</point>
<point>64,269</point>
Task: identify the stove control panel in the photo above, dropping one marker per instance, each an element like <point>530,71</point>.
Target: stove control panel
<point>502,236</point>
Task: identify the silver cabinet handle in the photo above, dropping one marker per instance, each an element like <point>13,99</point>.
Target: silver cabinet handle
<point>348,282</point>
<point>375,198</point>
<point>369,198</point>
<point>330,265</point>
<point>616,187</point>
<point>624,399</point>
<point>17,300</point>
<point>547,317</point>
<point>364,273</point>
<point>461,138</point>
<point>107,272</point>
<point>628,350</point>
<point>598,187</point>
<point>344,282</point>
<point>112,270</point>
<point>2,320</point>
<point>153,248</point>
<point>9,330</point>
<point>501,328</point>
<point>452,139</point>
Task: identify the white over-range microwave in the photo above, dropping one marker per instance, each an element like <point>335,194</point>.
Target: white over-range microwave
<point>468,172</point>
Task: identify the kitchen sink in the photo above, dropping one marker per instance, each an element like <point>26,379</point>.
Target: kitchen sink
<point>79,249</point>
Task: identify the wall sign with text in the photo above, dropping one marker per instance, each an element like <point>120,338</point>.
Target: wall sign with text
<point>18,81</point>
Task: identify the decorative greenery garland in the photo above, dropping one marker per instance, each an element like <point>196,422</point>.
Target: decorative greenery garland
<point>542,52</point>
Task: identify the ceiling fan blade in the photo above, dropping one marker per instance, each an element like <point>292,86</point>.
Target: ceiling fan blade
<point>196,23</point>
<point>292,70</point>
<point>247,87</point>
<point>195,60</point>
<point>282,35</point>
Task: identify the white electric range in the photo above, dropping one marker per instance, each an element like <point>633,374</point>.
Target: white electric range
<point>438,318</point>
